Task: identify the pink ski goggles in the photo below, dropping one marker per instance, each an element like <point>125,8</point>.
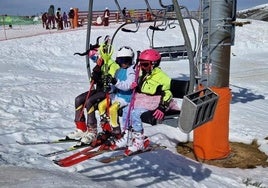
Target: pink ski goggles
<point>93,55</point>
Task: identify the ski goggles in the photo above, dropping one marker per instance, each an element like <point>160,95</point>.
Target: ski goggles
<point>94,58</point>
<point>93,55</point>
<point>124,60</point>
<point>145,64</point>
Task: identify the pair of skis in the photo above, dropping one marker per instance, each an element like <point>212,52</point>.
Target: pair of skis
<point>57,141</point>
<point>88,152</point>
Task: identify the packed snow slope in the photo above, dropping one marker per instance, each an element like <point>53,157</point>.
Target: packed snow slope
<point>40,77</point>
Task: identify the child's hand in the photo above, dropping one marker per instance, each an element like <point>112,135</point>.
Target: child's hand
<point>158,114</point>
<point>133,85</point>
<point>99,61</point>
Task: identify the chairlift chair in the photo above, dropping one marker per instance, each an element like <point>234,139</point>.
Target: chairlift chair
<point>197,102</point>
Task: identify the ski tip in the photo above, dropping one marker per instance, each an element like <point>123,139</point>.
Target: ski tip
<point>21,143</point>
<point>25,143</point>
<point>108,160</point>
<point>80,145</point>
<point>57,162</point>
<point>67,139</point>
<point>43,155</point>
<point>128,153</point>
<point>47,155</point>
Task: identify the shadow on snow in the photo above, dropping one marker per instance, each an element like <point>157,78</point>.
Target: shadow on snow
<point>159,168</point>
<point>244,95</point>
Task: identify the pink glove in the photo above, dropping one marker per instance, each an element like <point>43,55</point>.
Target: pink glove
<point>158,114</point>
<point>133,85</point>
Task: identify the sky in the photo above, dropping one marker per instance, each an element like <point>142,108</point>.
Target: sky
<point>36,7</point>
<point>40,78</point>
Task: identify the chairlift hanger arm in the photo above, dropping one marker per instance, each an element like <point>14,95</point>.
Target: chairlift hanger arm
<point>132,31</point>
<point>121,27</point>
<point>118,29</point>
<point>161,4</point>
<point>150,10</point>
<point>121,12</point>
<point>165,10</point>
<point>168,8</point>
<point>187,44</point>
<point>119,9</point>
<point>166,24</point>
<point>90,9</point>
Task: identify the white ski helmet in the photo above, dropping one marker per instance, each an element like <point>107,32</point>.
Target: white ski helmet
<point>125,54</point>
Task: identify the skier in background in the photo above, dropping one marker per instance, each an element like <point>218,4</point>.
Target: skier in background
<point>71,17</point>
<point>51,17</point>
<point>65,20</point>
<point>44,19</point>
<point>106,15</point>
<point>148,15</point>
<point>59,19</point>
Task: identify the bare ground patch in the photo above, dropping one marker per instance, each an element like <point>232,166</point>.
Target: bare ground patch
<point>244,156</point>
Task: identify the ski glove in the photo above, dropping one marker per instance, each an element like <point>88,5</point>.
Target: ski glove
<point>159,113</point>
<point>114,81</point>
<point>97,68</point>
<point>99,61</point>
<point>109,79</point>
<point>106,88</point>
<point>96,74</point>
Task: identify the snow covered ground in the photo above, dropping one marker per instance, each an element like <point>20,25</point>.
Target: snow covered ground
<point>40,78</point>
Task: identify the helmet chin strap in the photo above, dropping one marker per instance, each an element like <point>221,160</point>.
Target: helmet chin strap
<point>148,70</point>
<point>156,63</point>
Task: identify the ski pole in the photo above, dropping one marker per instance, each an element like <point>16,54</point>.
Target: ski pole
<point>131,104</point>
<point>88,94</point>
<point>106,51</point>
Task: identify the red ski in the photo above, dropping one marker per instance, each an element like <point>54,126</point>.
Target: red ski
<point>81,156</point>
<point>152,147</point>
<point>79,159</point>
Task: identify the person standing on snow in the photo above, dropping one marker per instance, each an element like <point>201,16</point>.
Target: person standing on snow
<point>122,87</point>
<point>153,93</point>
<point>148,15</point>
<point>59,19</point>
<point>106,15</point>
<point>44,20</point>
<point>86,128</point>
<point>51,17</point>
<point>65,19</point>
<point>71,17</point>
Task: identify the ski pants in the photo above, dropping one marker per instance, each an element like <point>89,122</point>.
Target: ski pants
<point>51,20</point>
<point>134,118</point>
<point>116,104</point>
<point>90,104</point>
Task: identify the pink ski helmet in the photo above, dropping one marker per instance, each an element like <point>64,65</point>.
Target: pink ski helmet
<point>151,55</point>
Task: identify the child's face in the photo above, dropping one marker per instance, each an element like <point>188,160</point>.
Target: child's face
<point>124,65</point>
<point>146,65</point>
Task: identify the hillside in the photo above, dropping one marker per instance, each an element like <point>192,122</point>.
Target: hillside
<point>256,13</point>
